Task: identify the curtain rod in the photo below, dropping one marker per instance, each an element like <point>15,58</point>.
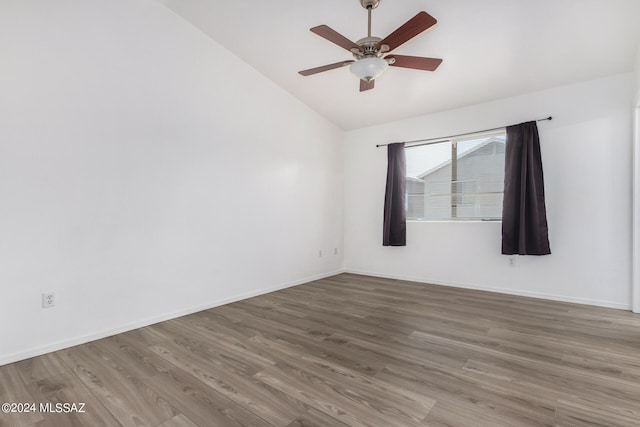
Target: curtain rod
<point>444,138</point>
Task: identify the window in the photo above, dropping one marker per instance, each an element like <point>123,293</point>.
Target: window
<point>457,179</point>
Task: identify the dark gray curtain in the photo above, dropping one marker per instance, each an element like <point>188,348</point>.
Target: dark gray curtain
<point>524,215</point>
<point>394,232</point>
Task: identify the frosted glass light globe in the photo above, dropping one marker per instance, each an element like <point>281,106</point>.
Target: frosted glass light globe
<point>368,69</point>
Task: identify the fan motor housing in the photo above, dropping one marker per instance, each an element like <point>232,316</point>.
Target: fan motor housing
<point>368,46</point>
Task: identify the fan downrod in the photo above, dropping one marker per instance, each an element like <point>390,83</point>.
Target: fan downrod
<point>369,4</point>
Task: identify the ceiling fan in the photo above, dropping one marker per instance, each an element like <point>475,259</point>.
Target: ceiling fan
<point>369,60</point>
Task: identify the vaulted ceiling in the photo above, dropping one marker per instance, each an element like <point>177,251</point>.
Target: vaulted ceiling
<point>491,49</point>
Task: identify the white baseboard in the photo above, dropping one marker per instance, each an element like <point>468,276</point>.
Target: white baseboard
<point>37,351</point>
<point>539,295</point>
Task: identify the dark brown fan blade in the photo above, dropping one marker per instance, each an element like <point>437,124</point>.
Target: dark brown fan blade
<point>415,62</point>
<point>408,30</point>
<point>317,70</point>
<point>334,37</point>
<point>366,85</point>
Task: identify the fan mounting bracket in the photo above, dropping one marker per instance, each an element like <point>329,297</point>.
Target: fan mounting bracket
<point>369,4</point>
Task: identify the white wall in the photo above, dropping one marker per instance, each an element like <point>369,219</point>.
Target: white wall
<point>586,153</point>
<point>146,172</point>
<point>636,212</point>
<point>636,194</point>
<point>637,72</point>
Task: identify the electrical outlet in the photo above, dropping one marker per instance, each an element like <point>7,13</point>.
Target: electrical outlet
<point>48,300</point>
<point>512,261</point>
<point>320,253</point>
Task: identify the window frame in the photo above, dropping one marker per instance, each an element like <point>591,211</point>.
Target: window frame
<point>453,180</point>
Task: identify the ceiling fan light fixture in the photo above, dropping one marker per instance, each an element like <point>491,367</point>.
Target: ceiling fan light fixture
<point>368,69</point>
<point>369,60</point>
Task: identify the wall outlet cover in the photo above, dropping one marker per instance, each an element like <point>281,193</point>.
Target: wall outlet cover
<point>48,300</point>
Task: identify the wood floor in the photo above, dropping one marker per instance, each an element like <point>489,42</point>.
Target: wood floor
<point>350,351</point>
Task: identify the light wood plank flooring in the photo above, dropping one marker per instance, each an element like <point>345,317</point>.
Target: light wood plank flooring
<point>350,351</point>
